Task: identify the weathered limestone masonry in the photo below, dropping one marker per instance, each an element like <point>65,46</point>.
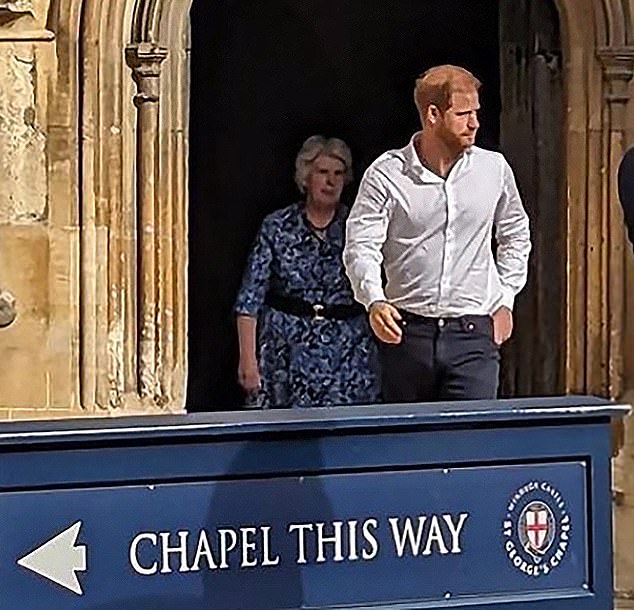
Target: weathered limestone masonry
<point>88,338</point>
<point>37,248</point>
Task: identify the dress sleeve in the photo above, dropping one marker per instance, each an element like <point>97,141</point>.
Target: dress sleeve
<point>255,281</point>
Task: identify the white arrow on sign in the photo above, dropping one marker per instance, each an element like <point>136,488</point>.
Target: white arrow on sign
<point>58,559</point>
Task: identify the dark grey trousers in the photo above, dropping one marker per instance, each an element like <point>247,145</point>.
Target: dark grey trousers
<point>441,359</point>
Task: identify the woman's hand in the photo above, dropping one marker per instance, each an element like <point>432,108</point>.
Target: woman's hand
<point>249,375</point>
<point>384,319</point>
<point>248,368</point>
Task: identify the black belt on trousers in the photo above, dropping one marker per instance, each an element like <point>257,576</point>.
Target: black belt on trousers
<point>317,311</point>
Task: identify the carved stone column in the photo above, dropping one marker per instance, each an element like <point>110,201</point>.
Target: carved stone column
<point>145,59</point>
<point>618,67</point>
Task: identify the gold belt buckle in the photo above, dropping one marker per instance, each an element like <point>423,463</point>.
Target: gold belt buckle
<point>317,309</point>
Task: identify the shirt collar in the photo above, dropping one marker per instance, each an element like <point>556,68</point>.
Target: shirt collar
<point>414,164</point>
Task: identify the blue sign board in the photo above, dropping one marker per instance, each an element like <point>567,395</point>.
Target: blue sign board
<point>501,505</point>
<point>325,540</point>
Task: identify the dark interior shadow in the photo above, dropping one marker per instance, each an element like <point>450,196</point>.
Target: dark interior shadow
<point>266,74</point>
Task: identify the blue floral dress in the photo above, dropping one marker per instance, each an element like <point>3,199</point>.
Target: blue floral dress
<point>306,362</point>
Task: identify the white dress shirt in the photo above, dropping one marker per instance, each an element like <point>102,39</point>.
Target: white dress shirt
<point>433,236</point>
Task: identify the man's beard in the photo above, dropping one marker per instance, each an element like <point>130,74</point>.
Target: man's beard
<point>453,142</point>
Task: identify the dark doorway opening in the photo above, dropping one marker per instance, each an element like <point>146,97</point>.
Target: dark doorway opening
<point>532,125</point>
<point>265,74</point>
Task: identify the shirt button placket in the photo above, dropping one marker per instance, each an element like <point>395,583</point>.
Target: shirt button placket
<point>449,236</point>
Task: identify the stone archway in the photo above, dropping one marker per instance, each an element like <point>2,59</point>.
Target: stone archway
<point>599,67</point>
<point>131,347</point>
<point>131,207</point>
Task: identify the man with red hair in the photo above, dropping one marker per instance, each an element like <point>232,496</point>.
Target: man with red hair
<point>425,215</point>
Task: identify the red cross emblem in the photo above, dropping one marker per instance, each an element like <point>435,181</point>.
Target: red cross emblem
<point>536,526</point>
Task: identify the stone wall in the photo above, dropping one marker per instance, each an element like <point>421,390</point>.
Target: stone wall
<point>35,253</point>
<point>23,196</point>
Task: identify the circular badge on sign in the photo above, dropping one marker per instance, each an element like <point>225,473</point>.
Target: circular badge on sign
<point>536,529</point>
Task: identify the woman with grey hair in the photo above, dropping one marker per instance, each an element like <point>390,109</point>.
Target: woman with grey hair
<point>303,339</point>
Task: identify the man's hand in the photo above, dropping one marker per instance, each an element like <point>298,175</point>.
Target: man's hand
<point>502,325</point>
<point>384,320</point>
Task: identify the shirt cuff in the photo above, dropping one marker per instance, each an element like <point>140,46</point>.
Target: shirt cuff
<point>507,299</point>
<point>371,295</point>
